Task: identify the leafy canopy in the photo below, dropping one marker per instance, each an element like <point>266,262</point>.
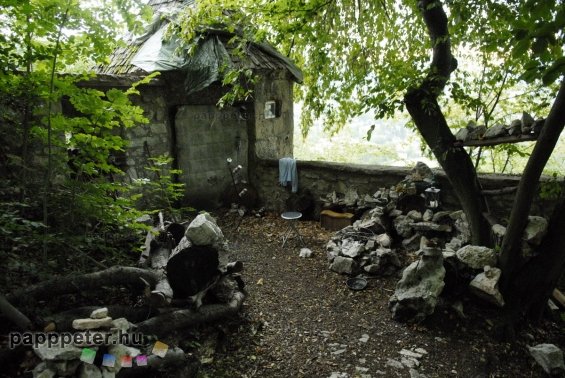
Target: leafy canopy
<point>360,56</point>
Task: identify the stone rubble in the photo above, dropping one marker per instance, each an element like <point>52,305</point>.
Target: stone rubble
<point>525,126</point>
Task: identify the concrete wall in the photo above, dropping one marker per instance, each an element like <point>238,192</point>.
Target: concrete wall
<point>205,138</point>
<point>322,178</point>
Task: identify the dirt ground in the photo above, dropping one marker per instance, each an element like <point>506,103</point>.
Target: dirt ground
<point>301,320</point>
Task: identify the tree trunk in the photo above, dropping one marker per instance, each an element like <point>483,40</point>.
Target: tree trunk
<point>532,285</point>
<point>511,254</point>
<point>424,109</point>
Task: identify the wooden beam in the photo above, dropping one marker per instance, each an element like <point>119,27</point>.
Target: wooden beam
<point>500,140</point>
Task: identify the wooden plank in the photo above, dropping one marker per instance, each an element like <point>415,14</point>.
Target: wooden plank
<point>500,140</point>
<point>558,296</point>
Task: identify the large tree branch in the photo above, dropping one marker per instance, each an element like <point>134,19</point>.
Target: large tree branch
<point>510,257</point>
<point>422,104</point>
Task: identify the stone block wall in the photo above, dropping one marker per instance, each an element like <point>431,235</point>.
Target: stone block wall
<point>322,178</point>
<point>274,136</point>
<point>149,140</point>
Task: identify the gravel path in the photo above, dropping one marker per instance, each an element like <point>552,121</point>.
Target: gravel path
<point>301,320</point>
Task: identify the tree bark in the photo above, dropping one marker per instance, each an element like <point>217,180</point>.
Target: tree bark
<point>421,103</point>
<point>531,286</point>
<point>511,254</point>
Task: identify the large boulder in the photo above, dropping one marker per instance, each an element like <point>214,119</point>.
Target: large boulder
<point>203,230</point>
<point>417,292</point>
<point>485,286</point>
<point>550,357</point>
<point>477,257</point>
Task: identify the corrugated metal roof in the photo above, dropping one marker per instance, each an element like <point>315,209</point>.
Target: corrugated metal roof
<point>258,56</point>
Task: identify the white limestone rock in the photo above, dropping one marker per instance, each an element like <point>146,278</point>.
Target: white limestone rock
<point>476,257</point>
<point>485,286</point>
<point>549,356</point>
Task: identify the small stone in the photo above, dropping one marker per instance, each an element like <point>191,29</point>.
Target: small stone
<point>441,216</point>
<point>454,244</point>
<point>495,131</point>
<point>108,374</point>
<point>549,356</point>
<point>395,213</point>
<point>430,226</point>
<point>476,132</point>
<point>305,252</point>
<point>81,324</point>
<point>121,324</point>
<point>384,240</point>
<point>485,286</point>
<point>462,134</point>
<point>337,374</point>
<point>55,352</point>
<point>394,363</point>
<point>422,351</point>
<point>99,313</point>
<point>43,371</point>
<point>402,225</point>
<point>498,230</point>
<point>119,351</point>
<point>89,371</point>
<point>351,248</point>
<point>428,215</point>
<point>414,215</point>
<point>409,353</point>
<point>412,243</point>
<point>409,362</point>
<point>344,265</point>
<point>364,338</point>
<point>527,119</point>
<point>535,230</point>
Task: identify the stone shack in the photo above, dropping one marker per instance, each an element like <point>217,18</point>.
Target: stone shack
<point>184,121</point>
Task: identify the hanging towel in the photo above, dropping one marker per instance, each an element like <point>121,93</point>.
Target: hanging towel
<point>288,173</point>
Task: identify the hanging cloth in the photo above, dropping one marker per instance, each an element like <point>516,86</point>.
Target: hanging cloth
<point>288,173</point>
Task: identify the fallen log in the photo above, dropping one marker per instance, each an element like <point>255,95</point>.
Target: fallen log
<point>114,276</point>
<point>159,255</point>
<point>14,315</point>
<point>166,323</point>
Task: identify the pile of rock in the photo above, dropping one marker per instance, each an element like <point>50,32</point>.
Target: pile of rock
<point>363,247</point>
<point>68,360</point>
<point>524,126</point>
<point>98,349</point>
<point>391,232</point>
